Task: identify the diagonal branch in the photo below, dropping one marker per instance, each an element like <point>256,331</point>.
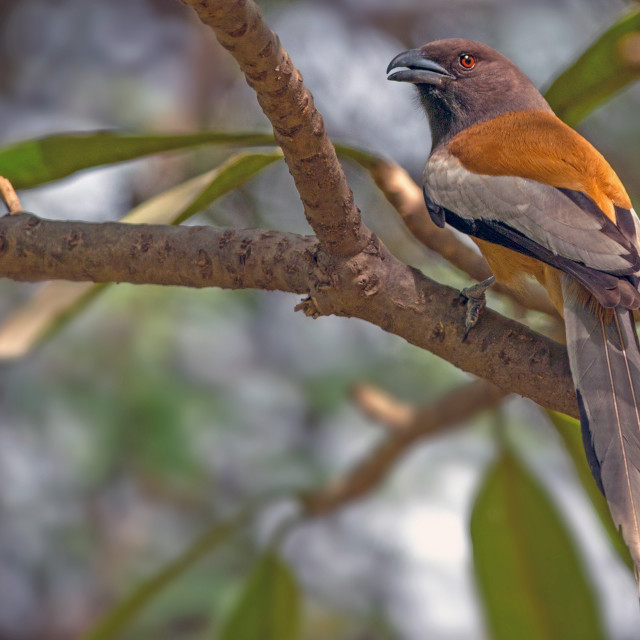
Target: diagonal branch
<point>449,410</point>
<point>372,285</point>
<point>297,124</point>
<point>356,274</point>
<point>346,271</point>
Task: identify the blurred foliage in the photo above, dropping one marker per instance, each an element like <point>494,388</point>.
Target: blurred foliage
<point>606,67</point>
<point>531,577</point>
<point>33,162</point>
<point>269,608</point>
<point>121,616</point>
<point>528,567</point>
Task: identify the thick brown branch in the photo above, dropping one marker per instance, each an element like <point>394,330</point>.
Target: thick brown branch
<point>33,249</point>
<point>449,410</point>
<point>373,286</point>
<point>378,288</point>
<point>298,127</point>
<point>319,178</point>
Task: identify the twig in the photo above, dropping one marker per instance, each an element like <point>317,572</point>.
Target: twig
<point>447,411</point>
<point>383,407</point>
<point>9,196</point>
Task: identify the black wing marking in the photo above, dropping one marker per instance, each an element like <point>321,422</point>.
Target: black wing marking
<point>610,290</point>
<point>561,227</point>
<point>436,212</point>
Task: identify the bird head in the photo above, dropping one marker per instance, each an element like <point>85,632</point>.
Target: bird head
<point>461,83</point>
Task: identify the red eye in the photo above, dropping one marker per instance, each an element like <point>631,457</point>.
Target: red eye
<point>467,61</point>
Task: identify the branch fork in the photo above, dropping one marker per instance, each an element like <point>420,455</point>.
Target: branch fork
<point>344,270</point>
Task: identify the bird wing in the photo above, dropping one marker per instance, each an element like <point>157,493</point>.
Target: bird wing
<point>562,227</point>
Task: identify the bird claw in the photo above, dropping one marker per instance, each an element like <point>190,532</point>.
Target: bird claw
<point>474,308</point>
<point>476,302</point>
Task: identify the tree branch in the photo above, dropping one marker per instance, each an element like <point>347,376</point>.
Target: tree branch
<point>449,410</point>
<point>33,249</point>
<point>298,127</point>
<point>382,407</point>
<point>372,285</point>
<point>346,271</point>
<point>356,274</point>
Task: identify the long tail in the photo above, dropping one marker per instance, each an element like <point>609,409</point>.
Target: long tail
<point>604,356</point>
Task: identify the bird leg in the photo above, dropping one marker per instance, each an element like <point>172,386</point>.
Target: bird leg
<point>476,302</point>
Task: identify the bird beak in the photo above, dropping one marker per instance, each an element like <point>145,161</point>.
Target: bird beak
<point>417,69</point>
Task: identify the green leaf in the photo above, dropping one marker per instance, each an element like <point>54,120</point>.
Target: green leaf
<point>182,202</point>
<point>33,162</point>
<point>529,573</point>
<point>269,607</point>
<point>366,159</point>
<point>120,617</point>
<point>57,302</point>
<point>569,430</point>
<point>606,67</point>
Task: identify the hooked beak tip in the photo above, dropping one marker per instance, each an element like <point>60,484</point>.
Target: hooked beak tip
<point>412,66</point>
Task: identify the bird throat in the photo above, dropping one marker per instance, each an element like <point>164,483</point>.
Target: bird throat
<point>445,120</point>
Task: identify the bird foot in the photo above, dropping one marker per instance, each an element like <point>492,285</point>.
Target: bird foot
<point>476,302</point>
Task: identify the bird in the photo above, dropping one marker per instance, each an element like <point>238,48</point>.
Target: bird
<point>539,200</point>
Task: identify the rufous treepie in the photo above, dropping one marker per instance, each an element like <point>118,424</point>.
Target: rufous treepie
<point>538,199</point>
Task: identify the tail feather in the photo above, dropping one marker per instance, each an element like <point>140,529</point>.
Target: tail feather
<point>605,363</point>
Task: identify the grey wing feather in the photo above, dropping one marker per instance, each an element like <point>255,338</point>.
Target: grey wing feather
<point>541,212</point>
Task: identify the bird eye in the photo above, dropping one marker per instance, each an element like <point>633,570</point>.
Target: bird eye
<point>467,61</point>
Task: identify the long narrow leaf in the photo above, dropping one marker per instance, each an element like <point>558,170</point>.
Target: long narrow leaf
<point>57,302</point>
<point>527,568</point>
<point>605,68</point>
<point>33,162</point>
<point>269,608</point>
<point>366,159</point>
<point>569,431</point>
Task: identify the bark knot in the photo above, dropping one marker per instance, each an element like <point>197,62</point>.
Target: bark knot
<point>204,264</point>
<point>73,240</point>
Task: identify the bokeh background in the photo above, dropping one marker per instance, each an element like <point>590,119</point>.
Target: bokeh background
<point>157,410</point>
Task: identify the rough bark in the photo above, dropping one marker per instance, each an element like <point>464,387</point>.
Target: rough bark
<point>33,249</point>
<point>345,270</point>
